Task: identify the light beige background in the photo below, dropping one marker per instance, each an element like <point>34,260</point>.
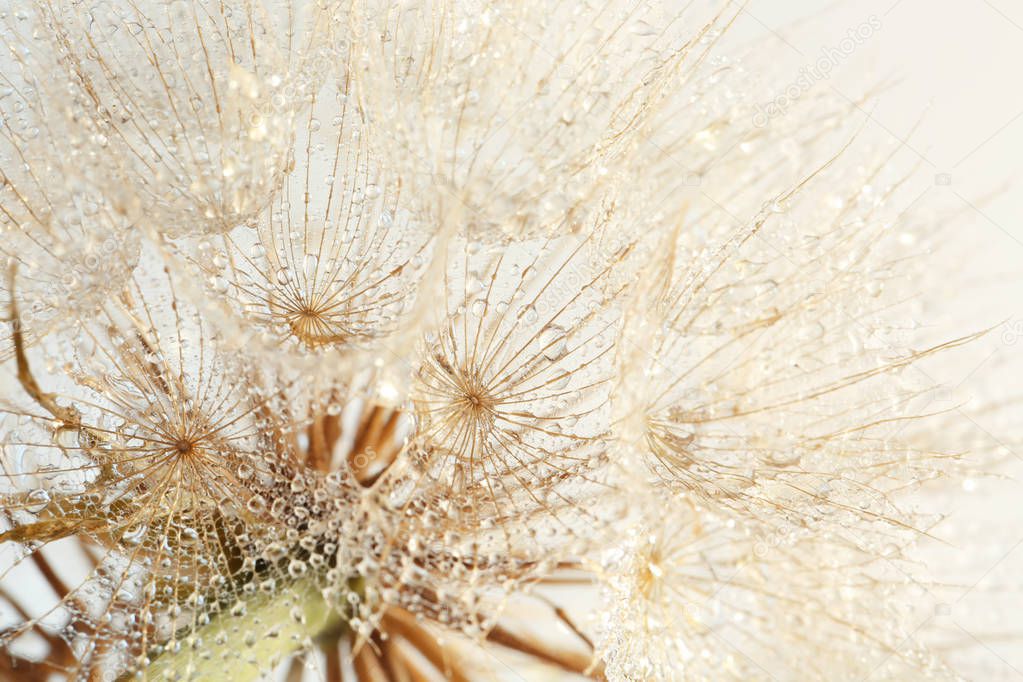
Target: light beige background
<point>955,68</point>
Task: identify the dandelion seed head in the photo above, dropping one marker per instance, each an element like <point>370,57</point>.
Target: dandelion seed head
<point>196,137</point>
<point>677,587</point>
<point>383,321</point>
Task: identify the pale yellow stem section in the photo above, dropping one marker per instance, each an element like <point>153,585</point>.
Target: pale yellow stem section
<point>251,639</point>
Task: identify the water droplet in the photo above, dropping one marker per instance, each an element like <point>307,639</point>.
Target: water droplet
<point>642,28</point>
<point>134,536</point>
<point>310,265</point>
<point>256,504</point>
<point>552,340</point>
<point>37,500</point>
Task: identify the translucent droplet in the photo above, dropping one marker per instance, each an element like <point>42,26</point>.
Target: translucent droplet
<point>37,500</point>
<point>642,28</point>
<point>552,340</point>
<point>256,504</point>
<point>310,265</point>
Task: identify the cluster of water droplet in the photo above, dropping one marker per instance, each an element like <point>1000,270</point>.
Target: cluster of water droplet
<point>575,285</point>
<point>331,263</point>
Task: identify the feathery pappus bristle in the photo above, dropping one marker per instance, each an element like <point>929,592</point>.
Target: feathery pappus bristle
<point>380,341</point>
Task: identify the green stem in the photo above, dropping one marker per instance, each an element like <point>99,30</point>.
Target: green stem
<point>245,644</point>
